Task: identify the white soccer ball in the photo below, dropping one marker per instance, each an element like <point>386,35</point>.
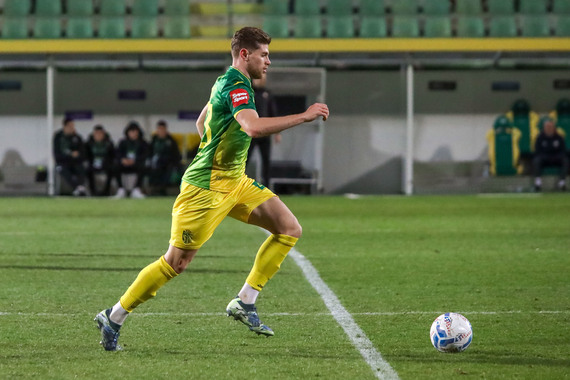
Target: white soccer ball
<point>451,332</point>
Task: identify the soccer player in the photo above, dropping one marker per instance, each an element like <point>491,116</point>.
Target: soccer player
<point>215,186</point>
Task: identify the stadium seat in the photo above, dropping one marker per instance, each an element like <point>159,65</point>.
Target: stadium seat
<point>112,8</point>
<point>276,7</point>
<point>308,27</point>
<point>17,8</point>
<point>532,7</point>
<point>436,7</point>
<point>145,8</point>
<point>561,7</point>
<point>502,26</point>
<point>526,121</point>
<point>468,7</point>
<point>277,26</point>
<point>144,27</point>
<point>47,27</point>
<point>339,7</point>
<point>405,27</point>
<point>79,27</point>
<point>48,8</point>
<point>177,27</point>
<point>562,26</point>
<point>112,27</point>
<point>373,27</point>
<point>404,7</point>
<point>535,26</point>
<point>470,27</point>
<point>176,8</point>
<point>437,27</point>
<point>340,27</point>
<point>76,8</point>
<point>501,7</point>
<point>307,8</point>
<point>503,148</point>
<point>372,8</point>
<point>561,115</point>
<point>14,28</point>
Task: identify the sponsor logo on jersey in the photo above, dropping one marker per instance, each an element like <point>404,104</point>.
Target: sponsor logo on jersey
<point>239,97</point>
<point>187,236</point>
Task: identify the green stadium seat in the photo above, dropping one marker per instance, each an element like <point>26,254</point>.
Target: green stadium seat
<point>535,26</point>
<point>47,27</point>
<point>17,8</point>
<point>561,7</point>
<point>373,27</point>
<point>112,8</point>
<point>308,27</point>
<point>145,8</point>
<point>526,121</point>
<point>501,7</point>
<point>532,7</point>
<point>277,26</point>
<point>177,27</point>
<point>307,8</point>
<point>78,8</point>
<point>79,27</point>
<point>14,28</point>
<point>436,7</point>
<point>48,8</point>
<point>437,27</point>
<point>340,27</point>
<point>404,7</point>
<point>405,27</point>
<point>276,7</point>
<point>470,27</point>
<point>372,8</point>
<point>503,26</point>
<point>562,26</point>
<point>112,27</point>
<point>176,8</point>
<point>468,7</point>
<point>339,7</point>
<point>144,27</point>
<point>562,117</point>
<point>503,148</point>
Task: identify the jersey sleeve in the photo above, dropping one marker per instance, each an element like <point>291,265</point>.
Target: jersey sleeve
<point>240,97</point>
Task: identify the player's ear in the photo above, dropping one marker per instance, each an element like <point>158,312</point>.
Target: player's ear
<point>244,54</point>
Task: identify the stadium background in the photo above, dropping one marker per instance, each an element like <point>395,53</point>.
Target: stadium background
<point>459,83</point>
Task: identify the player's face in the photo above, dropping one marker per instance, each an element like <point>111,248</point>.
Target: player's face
<point>258,62</point>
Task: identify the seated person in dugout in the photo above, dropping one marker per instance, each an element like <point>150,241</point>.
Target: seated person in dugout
<point>100,159</point>
<point>550,150</point>
<point>132,154</point>
<point>69,153</point>
<point>164,159</point>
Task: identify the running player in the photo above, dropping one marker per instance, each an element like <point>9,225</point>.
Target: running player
<point>215,186</point>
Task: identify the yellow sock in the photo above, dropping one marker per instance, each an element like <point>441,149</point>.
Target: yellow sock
<point>149,280</point>
<point>269,258</point>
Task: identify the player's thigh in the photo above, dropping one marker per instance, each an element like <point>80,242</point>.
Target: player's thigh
<point>274,216</point>
<point>195,215</point>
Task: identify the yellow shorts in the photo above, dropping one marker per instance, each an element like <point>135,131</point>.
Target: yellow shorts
<point>197,212</point>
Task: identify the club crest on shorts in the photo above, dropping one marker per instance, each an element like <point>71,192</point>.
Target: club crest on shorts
<point>187,236</point>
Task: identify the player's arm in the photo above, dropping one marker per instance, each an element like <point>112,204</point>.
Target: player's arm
<point>256,126</point>
<point>200,121</point>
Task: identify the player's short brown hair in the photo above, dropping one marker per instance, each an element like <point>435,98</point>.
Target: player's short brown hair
<point>249,38</point>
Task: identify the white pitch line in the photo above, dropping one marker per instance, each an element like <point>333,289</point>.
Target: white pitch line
<point>379,366</point>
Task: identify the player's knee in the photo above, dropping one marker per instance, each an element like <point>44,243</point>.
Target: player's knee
<point>294,229</point>
<point>178,258</point>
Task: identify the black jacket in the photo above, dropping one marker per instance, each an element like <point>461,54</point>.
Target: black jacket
<point>64,145</point>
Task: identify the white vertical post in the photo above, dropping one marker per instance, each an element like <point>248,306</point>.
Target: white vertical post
<point>409,159</point>
<point>50,127</point>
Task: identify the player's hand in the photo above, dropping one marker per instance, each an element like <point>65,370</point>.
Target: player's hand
<point>316,110</point>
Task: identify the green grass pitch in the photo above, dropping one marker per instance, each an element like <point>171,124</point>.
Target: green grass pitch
<point>395,263</point>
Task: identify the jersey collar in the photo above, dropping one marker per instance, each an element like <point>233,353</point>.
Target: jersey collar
<point>242,74</point>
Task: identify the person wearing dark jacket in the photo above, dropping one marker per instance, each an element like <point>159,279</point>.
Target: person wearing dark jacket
<point>549,150</point>
<point>165,158</point>
<point>132,154</point>
<point>69,153</point>
<point>100,159</point>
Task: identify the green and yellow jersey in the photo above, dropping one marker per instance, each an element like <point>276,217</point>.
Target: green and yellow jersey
<point>221,158</point>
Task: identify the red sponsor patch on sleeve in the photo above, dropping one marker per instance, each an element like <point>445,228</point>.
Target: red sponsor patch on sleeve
<point>239,97</point>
